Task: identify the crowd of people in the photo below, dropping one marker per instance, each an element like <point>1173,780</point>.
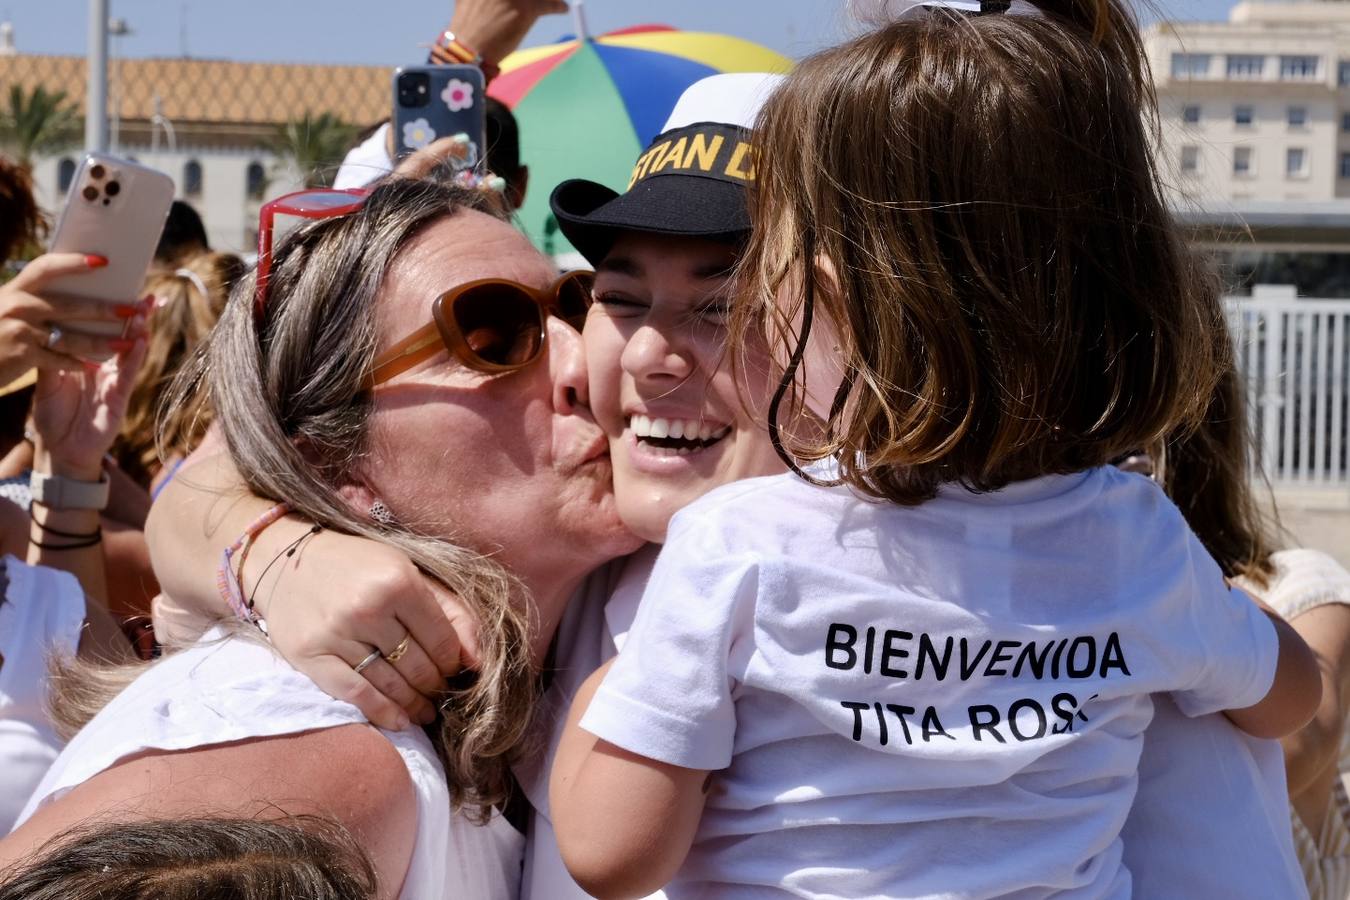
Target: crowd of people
<point>875,520</point>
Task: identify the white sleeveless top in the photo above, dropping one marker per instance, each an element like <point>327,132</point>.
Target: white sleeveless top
<point>227,689</point>
<point>41,611</point>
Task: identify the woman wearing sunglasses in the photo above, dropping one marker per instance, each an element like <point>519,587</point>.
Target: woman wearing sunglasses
<point>403,373</point>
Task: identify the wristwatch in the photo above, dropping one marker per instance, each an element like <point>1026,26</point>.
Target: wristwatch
<point>56,492</point>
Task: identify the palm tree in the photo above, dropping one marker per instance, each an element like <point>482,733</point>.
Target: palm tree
<point>314,146</point>
<point>36,122</point>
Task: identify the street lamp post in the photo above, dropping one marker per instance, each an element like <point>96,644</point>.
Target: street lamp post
<point>96,99</point>
<point>117,28</point>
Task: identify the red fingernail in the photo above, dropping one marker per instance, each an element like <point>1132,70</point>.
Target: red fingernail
<point>126,310</point>
<point>121,345</point>
<point>94,261</point>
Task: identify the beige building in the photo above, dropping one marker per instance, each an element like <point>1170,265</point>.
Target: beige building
<point>1256,109</point>
<point>210,124</point>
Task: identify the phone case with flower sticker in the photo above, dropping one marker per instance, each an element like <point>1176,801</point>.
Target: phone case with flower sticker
<point>434,102</point>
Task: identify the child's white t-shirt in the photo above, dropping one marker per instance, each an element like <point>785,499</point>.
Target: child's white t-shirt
<point>941,700</point>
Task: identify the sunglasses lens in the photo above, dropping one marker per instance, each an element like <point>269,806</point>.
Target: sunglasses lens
<point>501,326</point>
<point>574,298</point>
<point>311,202</point>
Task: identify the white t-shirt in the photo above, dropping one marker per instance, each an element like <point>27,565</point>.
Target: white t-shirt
<point>895,692</point>
<point>1208,819</point>
<point>366,161</point>
<point>42,611</point>
<point>1211,817</point>
<point>232,689</point>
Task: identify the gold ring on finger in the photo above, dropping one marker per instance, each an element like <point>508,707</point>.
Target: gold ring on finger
<point>396,654</point>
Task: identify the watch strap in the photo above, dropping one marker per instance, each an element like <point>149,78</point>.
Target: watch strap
<point>58,492</point>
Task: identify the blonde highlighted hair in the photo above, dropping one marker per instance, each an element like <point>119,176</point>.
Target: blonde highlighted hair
<point>189,300</point>
<point>1012,296</point>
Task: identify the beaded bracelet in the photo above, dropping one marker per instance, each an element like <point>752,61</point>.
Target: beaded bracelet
<point>449,49</point>
<point>227,581</point>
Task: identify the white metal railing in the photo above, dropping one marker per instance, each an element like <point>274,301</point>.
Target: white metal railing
<point>1293,355</point>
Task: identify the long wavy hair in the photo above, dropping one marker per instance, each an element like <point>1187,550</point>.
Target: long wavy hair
<point>1208,473</point>
<point>288,392</point>
<point>189,300</point>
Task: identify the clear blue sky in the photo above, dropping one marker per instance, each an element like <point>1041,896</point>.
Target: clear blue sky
<point>371,32</point>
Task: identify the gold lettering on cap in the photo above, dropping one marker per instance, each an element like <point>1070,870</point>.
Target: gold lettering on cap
<point>706,153</point>
<point>645,161</point>
<point>744,155</point>
<point>674,155</point>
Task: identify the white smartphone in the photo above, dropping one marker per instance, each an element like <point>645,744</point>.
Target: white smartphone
<point>115,208</point>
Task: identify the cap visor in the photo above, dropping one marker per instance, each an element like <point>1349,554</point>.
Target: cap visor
<point>592,216</point>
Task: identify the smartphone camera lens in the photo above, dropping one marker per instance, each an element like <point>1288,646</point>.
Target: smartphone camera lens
<point>90,193</point>
<point>414,89</point>
<point>96,171</point>
<point>113,188</point>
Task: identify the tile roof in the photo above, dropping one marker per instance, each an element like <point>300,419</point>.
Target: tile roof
<point>212,90</point>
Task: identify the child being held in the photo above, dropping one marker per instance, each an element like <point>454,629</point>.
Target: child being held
<point>921,664</point>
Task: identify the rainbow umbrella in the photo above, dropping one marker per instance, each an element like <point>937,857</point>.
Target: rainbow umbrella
<point>588,107</point>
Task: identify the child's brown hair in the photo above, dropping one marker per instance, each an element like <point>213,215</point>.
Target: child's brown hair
<point>1012,296</point>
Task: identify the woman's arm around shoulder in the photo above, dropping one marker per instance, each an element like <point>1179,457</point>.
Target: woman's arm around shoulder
<point>350,773</point>
<point>327,603</point>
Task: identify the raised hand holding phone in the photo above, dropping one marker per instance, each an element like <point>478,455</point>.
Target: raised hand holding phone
<point>39,329</point>
<point>115,210</point>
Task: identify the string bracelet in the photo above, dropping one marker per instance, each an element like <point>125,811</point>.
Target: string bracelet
<point>78,545</point>
<point>287,552</point>
<point>227,580</point>
<point>75,535</point>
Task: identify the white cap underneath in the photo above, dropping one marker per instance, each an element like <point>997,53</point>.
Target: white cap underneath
<point>734,98</point>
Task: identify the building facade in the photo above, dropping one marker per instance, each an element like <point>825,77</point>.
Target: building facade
<point>1256,109</point>
<point>210,124</point>
<point>1255,140</point>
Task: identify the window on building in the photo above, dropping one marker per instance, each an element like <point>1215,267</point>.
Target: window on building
<point>1343,74</point>
<point>1345,165</point>
<point>1190,159</point>
<point>65,174</point>
<point>1297,116</point>
<point>1190,115</point>
<point>1296,162</point>
<point>256,180</point>
<point>1242,115</point>
<point>1345,121</point>
<point>1245,65</point>
<point>1190,65</point>
<point>1242,161</point>
<point>1298,68</point>
<point>192,178</point>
